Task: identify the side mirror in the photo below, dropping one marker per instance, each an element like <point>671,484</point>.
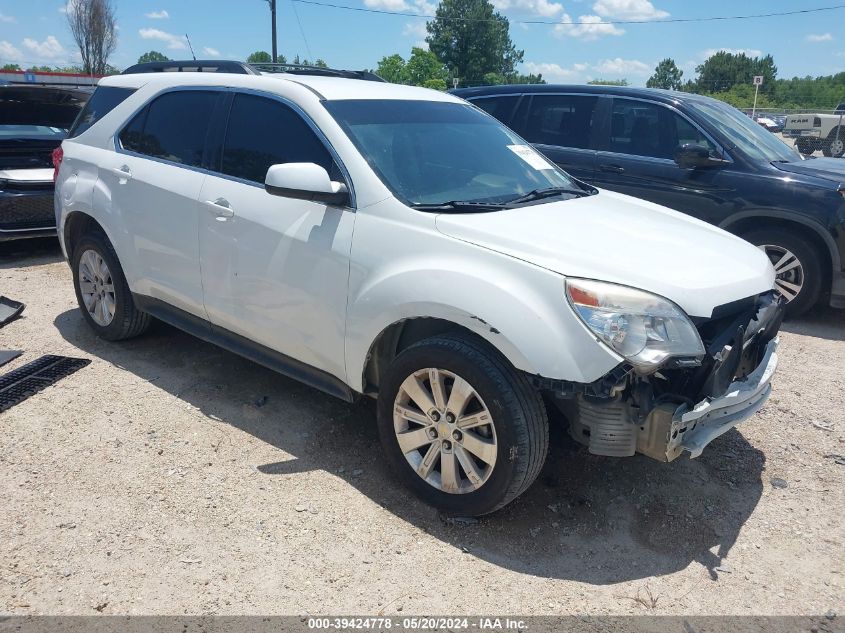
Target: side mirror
<point>690,156</point>
<point>305,181</point>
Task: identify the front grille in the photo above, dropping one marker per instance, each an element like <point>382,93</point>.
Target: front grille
<point>27,212</point>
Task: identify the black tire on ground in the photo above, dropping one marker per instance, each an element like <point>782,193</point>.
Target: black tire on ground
<point>806,146</point>
<point>128,321</point>
<point>807,255</point>
<point>518,414</point>
<point>835,146</point>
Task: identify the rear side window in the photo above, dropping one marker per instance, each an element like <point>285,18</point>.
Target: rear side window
<point>104,100</point>
<point>635,128</point>
<point>264,132</point>
<point>500,107</point>
<point>561,120</point>
<point>173,127</point>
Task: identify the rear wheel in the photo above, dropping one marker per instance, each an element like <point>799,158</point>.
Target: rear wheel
<point>102,292</point>
<point>806,146</point>
<point>798,268</point>
<point>460,426</point>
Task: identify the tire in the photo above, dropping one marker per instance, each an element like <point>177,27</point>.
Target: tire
<point>805,146</point>
<point>119,319</point>
<point>808,274</point>
<point>833,146</point>
<point>518,426</point>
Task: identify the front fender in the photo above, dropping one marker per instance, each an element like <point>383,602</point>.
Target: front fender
<point>520,309</point>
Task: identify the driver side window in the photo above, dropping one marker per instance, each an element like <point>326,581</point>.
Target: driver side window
<point>686,132</point>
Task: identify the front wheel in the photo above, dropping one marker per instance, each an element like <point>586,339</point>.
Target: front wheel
<point>835,147</point>
<point>460,426</point>
<point>798,270</point>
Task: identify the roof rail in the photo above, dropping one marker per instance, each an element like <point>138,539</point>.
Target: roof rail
<point>192,65</point>
<point>322,71</point>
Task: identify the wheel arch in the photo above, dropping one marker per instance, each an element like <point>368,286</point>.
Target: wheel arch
<point>76,225</point>
<point>814,232</point>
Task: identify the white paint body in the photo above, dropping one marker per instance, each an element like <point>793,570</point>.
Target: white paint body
<point>319,283</point>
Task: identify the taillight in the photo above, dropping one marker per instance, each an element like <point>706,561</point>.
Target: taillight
<point>58,155</point>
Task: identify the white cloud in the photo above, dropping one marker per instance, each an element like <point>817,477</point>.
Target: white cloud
<point>9,53</point>
<point>211,52</point>
<point>629,10</point>
<point>48,49</point>
<point>822,37</point>
<point>588,27</point>
<point>417,31</point>
<point>387,5</point>
<point>158,15</point>
<point>543,8</point>
<point>7,18</point>
<point>174,42</point>
<point>749,52</point>
<point>617,68</point>
<point>621,67</point>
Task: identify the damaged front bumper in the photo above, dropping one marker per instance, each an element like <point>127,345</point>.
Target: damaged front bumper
<point>692,429</point>
<point>682,408</point>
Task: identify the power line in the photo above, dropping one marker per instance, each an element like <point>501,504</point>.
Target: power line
<point>408,14</point>
<point>301,30</point>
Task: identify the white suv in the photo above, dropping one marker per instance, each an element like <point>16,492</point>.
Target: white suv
<point>396,242</point>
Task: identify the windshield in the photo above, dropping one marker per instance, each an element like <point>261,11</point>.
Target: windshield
<point>744,133</point>
<point>433,153</point>
<point>38,113</point>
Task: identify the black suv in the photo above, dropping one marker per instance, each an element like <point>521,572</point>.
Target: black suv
<point>699,156</point>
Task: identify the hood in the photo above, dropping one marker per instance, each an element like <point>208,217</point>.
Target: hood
<point>616,238</point>
<point>832,169</point>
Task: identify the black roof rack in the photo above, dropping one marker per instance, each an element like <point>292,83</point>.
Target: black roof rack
<point>192,65</point>
<point>320,71</point>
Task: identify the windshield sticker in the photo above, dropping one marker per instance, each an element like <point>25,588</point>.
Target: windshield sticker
<point>531,156</point>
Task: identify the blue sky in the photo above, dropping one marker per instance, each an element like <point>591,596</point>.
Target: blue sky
<point>36,32</point>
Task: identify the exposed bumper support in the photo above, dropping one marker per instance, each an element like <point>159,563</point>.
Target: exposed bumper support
<point>711,418</point>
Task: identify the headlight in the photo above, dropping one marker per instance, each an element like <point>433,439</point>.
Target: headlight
<point>641,327</point>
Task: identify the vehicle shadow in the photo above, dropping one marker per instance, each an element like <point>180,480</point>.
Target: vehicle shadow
<point>592,519</point>
<point>820,322</point>
<point>31,252</point>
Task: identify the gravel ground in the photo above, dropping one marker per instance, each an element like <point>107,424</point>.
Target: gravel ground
<point>172,477</point>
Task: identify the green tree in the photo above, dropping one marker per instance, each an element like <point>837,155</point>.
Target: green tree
<point>435,84</point>
<point>260,57</point>
<point>153,56</point>
<point>666,75</point>
<point>423,66</point>
<point>472,39</point>
<point>320,63</point>
<point>10,67</point>
<point>608,82</point>
<point>724,70</point>
<point>392,68</point>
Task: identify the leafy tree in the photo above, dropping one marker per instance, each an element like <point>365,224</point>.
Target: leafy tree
<point>93,26</point>
<point>392,69</point>
<point>45,69</point>
<point>320,63</point>
<point>608,82</point>
<point>260,57</point>
<point>153,56</point>
<point>666,75</point>
<point>472,39</point>
<point>723,70</point>
<point>10,67</point>
<point>423,66</point>
<point>526,79</point>
<point>435,84</point>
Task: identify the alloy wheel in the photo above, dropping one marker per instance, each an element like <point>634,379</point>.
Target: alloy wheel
<point>96,287</point>
<point>837,147</point>
<point>789,273</point>
<point>445,431</point>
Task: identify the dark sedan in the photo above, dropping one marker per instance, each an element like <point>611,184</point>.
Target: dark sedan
<point>33,122</point>
<point>699,156</point>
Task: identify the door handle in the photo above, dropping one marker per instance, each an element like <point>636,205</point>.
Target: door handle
<point>616,169</point>
<point>124,173</point>
<point>221,208</point>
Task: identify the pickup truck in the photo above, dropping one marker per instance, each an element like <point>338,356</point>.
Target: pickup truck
<point>818,131</point>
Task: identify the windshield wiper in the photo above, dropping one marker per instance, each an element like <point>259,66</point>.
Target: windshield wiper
<point>549,192</point>
<point>471,206</point>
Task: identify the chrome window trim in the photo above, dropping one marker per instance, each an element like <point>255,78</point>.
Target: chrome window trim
<point>119,149</point>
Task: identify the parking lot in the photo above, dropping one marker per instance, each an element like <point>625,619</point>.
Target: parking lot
<point>170,476</point>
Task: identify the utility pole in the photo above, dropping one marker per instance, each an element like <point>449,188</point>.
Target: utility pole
<point>273,20</point>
